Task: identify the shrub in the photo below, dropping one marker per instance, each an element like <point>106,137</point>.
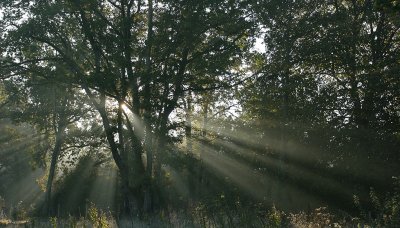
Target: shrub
<point>19,212</point>
<point>320,217</point>
<point>97,217</point>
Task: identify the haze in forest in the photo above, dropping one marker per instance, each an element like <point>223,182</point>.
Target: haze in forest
<point>200,113</point>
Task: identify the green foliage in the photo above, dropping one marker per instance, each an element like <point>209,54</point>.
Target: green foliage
<point>53,221</point>
<point>382,211</point>
<point>19,211</point>
<point>275,217</point>
<point>98,217</point>
<point>304,118</point>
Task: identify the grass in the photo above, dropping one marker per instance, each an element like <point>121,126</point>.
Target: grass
<point>385,213</point>
<point>274,219</point>
<point>10,223</point>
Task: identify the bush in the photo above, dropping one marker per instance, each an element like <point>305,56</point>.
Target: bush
<point>384,211</point>
<point>320,217</point>
<point>19,212</point>
<point>98,217</point>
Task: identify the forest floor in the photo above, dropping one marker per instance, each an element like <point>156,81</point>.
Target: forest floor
<point>299,220</point>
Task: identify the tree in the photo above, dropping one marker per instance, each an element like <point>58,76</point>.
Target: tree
<point>106,52</point>
<point>326,84</point>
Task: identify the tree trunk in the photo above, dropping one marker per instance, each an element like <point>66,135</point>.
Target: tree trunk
<point>52,171</point>
<point>147,115</point>
<point>188,124</point>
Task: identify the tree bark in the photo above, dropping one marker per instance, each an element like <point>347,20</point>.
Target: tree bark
<point>52,171</point>
<point>188,124</point>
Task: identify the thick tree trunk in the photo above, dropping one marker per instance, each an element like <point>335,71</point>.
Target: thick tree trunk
<point>52,171</point>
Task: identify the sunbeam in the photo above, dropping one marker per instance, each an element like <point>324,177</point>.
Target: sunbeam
<point>199,113</point>
<point>103,191</point>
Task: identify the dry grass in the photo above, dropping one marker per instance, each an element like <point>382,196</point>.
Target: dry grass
<point>5,221</point>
